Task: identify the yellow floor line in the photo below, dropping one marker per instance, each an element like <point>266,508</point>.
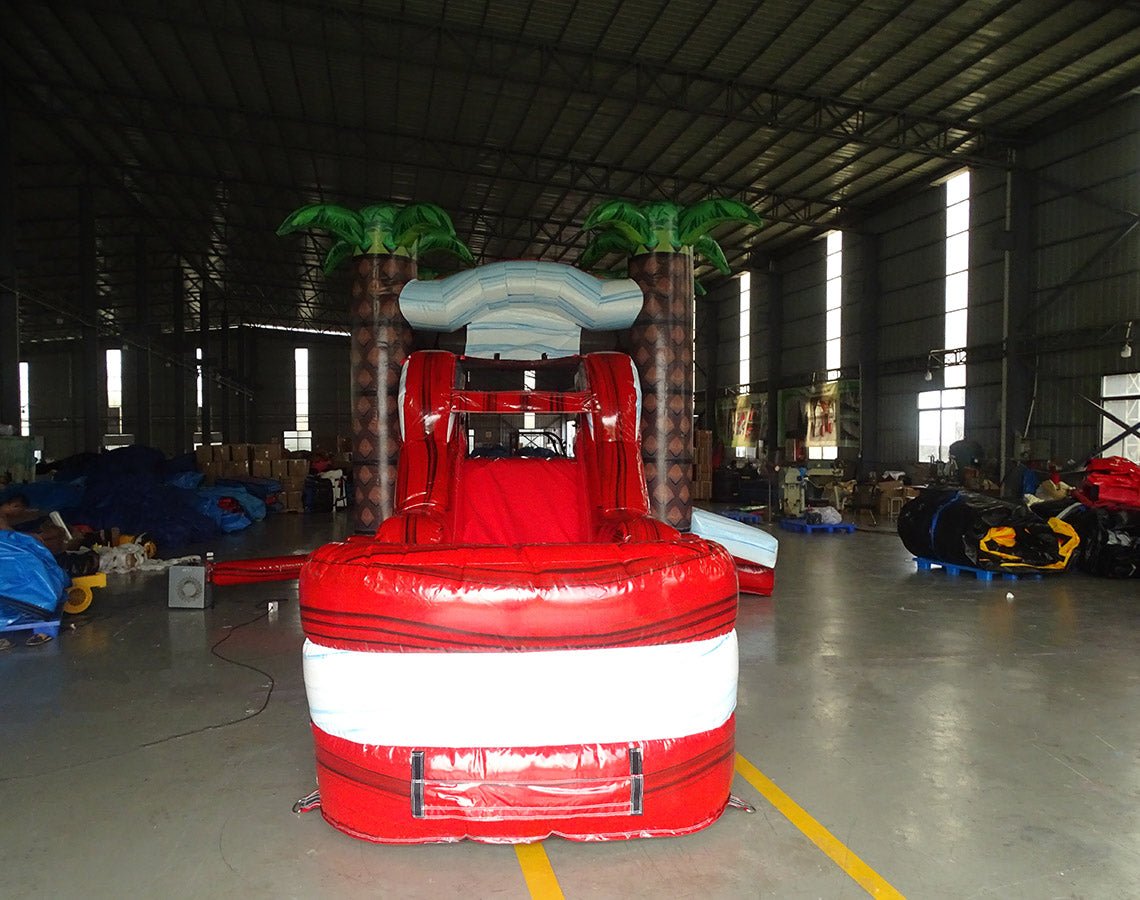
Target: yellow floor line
<point>537,871</point>
<point>867,878</point>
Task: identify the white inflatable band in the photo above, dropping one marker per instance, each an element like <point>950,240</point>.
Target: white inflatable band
<point>523,699</point>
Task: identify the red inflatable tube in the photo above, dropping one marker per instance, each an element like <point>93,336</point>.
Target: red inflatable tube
<point>754,578</point>
<point>371,596</point>
<point>590,792</point>
<point>254,571</point>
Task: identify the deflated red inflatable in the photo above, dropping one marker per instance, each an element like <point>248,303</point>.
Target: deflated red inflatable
<point>521,651</point>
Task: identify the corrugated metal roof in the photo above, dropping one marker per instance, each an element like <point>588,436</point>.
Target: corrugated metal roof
<point>201,124</point>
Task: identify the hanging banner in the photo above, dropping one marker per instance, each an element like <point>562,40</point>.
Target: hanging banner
<point>742,420</point>
<point>826,414</point>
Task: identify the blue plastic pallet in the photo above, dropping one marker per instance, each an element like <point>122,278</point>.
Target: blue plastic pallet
<point>925,565</point>
<point>743,515</point>
<point>51,629</point>
<point>801,525</point>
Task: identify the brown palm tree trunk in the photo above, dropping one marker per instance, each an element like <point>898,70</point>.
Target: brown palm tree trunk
<point>661,344</point>
<point>381,341</point>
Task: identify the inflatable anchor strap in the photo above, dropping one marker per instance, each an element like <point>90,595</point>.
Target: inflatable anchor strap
<point>308,803</point>
<point>938,512</point>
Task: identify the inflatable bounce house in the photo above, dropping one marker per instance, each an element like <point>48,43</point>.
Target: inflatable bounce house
<point>521,648</point>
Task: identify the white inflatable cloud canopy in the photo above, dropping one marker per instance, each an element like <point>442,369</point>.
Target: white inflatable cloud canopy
<point>521,309</point>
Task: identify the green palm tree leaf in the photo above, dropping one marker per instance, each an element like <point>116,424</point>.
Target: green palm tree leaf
<point>698,289</point>
<point>663,219</point>
<point>701,218</point>
<point>344,223</point>
<point>710,250</point>
<point>379,227</point>
<point>337,254</point>
<point>382,215</point>
<point>418,219</point>
<point>623,218</point>
<point>439,240</point>
<point>603,243</point>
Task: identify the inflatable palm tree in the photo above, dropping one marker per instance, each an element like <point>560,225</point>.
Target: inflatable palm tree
<point>386,240</point>
<point>661,239</point>
<point>380,229</point>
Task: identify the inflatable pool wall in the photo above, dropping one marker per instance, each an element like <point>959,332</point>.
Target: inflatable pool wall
<point>521,651</point>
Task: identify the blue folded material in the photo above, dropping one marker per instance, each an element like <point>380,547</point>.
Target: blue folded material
<point>31,582</point>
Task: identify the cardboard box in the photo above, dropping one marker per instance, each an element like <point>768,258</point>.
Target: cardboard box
<point>279,468</point>
<point>221,453</point>
<point>209,473</point>
<point>235,469</point>
<point>292,501</point>
<point>203,455</point>
<point>298,468</point>
<point>293,483</point>
<point>260,468</point>
<point>265,452</point>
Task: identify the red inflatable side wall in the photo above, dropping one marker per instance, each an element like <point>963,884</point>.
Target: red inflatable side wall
<point>514,794</point>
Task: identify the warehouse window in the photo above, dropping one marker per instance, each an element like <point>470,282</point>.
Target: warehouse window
<point>942,414</point>
<point>198,380</point>
<point>301,387</point>
<point>25,401</point>
<point>941,417</point>
<point>302,437</point>
<point>1121,396</point>
<point>115,391</point>
<point>745,346</point>
<point>957,275</point>
<point>744,372</point>
<point>834,304</point>
<point>528,384</point>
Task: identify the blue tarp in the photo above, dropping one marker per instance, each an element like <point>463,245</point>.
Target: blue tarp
<point>48,495</point>
<point>136,489</point>
<point>31,581</point>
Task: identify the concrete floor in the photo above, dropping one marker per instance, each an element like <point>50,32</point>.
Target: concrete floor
<point>961,744</point>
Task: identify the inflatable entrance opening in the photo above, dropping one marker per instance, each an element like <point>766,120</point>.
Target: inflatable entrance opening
<point>520,650</point>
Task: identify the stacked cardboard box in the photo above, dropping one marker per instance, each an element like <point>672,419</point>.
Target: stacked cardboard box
<point>291,473</point>
<point>237,460</point>
<point>702,465</point>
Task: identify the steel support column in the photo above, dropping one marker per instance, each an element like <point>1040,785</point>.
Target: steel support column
<point>1017,378</point>
<point>143,336</point>
<point>182,437</point>
<point>91,384</point>
<point>205,423</point>
<point>223,366</point>
<point>869,449</point>
<point>766,283</point>
<point>9,301</point>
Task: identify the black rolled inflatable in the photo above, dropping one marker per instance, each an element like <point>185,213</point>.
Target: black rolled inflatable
<point>967,529</point>
<point>1110,538</point>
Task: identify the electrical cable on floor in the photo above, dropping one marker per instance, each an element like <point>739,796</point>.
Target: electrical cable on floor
<point>252,715</point>
<point>173,737</point>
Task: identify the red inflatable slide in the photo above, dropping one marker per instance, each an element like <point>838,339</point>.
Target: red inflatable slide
<point>521,651</point>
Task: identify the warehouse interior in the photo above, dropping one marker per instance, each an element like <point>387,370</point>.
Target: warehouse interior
<point>949,255</point>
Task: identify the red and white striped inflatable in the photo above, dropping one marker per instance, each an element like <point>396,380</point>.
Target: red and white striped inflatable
<point>521,651</point>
